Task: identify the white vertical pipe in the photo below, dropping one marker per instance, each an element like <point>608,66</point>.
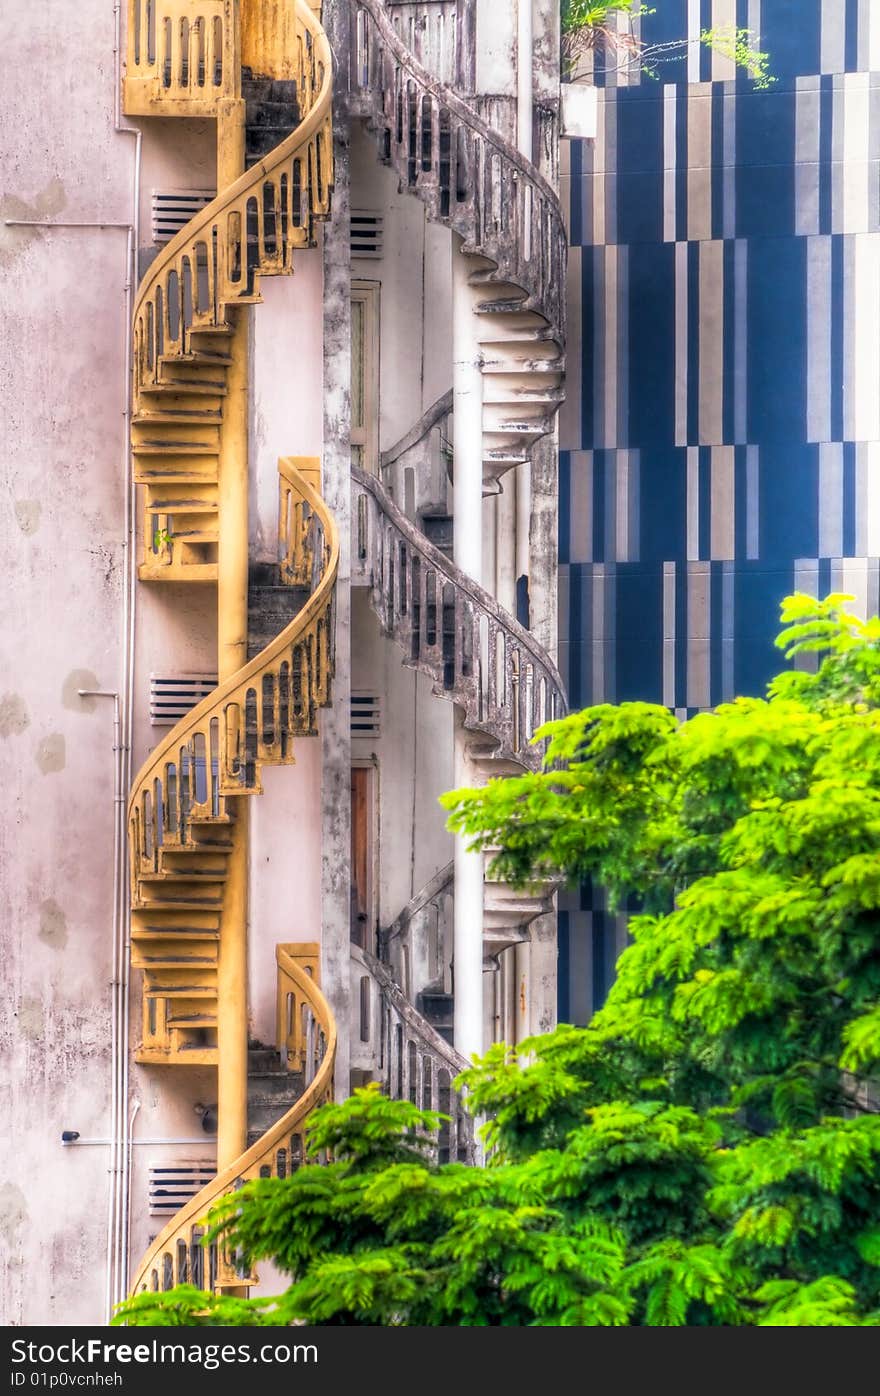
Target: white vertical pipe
<point>467,928</point>
<point>505,547</point>
<point>467,509</point>
<point>524,136</point>
<point>117,1241</point>
<point>524,62</point>
<point>467,422</point>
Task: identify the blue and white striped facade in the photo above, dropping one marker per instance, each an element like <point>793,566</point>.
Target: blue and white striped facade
<point>721,437</point>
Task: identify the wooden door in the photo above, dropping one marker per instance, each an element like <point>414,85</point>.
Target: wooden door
<point>361,881</point>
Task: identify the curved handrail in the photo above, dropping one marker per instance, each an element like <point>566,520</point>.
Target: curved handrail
<point>232,762</point>
<point>481,185</point>
<point>261,1159</point>
<point>412,1058</point>
<point>419,430</point>
<point>432,888</point>
<point>252,226</point>
<point>494,668</point>
<point>455,103</point>
<point>473,589</point>
<point>413,1019</point>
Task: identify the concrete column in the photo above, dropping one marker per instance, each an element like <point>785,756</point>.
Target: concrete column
<point>467,952</point>
<point>467,455</point>
<point>336,487</point>
<point>232,581</point>
<point>524,45</point>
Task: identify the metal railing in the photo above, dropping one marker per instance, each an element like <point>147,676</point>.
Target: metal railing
<point>453,630</point>
<point>177,1255</point>
<point>398,1047</point>
<point>467,174</point>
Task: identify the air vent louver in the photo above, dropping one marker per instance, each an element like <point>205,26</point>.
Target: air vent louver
<point>365,715</point>
<point>366,234</point>
<point>174,1184</point>
<point>173,695</point>
<point>173,208</point>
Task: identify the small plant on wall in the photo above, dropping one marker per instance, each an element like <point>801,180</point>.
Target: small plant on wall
<point>604,36</point>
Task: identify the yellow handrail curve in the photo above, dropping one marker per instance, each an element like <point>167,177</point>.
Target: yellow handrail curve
<point>250,229</point>
<point>174,1255</point>
<point>217,749</point>
<point>182,55</point>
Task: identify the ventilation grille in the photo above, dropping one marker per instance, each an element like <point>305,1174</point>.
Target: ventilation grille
<point>365,715</point>
<point>173,208</point>
<point>173,695</point>
<point>174,1184</point>
<point>366,234</point>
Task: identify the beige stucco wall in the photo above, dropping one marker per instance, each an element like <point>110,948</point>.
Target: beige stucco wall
<point>63,457</point>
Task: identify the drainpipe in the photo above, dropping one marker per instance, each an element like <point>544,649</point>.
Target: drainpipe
<point>524,137</point>
<point>117,1243</point>
<point>117,1047</point>
<point>467,451</point>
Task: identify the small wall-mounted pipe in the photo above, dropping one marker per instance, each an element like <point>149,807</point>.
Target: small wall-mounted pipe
<point>60,223</point>
<point>79,1143</point>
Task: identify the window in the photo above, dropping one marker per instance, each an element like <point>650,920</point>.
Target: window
<point>365,375</point>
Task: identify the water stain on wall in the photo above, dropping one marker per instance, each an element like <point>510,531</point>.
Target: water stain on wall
<point>46,205</point>
<point>13,1213</point>
<point>53,924</point>
<point>13,715</point>
<point>31,1018</point>
<point>77,679</point>
<point>51,755</point>
<point>27,515</point>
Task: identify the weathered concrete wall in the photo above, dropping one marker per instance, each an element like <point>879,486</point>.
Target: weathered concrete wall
<point>163,1099</point>
<point>414,756</point>
<point>176,154</point>
<point>286,419</point>
<point>63,456</point>
<point>496,48</point>
<point>285,875</point>
<point>287,386</point>
<point>414,272</point>
<point>176,634</point>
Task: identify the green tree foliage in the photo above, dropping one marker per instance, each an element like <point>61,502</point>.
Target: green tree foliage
<point>707,1150</point>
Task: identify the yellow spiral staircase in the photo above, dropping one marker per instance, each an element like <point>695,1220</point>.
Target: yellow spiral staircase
<point>186,307</point>
<point>186,808</point>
